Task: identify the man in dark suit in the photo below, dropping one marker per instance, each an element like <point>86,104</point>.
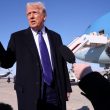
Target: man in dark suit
<point>95,87</point>
<point>33,90</point>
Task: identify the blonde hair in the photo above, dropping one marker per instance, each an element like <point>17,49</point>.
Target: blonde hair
<point>38,3</point>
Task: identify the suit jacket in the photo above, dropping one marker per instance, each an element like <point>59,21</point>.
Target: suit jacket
<point>22,50</point>
<point>97,90</point>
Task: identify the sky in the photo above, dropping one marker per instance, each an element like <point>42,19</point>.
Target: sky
<point>70,18</point>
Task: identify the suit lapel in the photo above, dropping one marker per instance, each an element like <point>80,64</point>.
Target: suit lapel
<point>30,42</point>
<point>52,47</point>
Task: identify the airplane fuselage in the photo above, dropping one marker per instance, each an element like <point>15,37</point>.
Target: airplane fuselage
<point>94,54</point>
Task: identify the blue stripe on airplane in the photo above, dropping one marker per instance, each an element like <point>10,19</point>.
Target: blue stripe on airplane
<point>103,23</point>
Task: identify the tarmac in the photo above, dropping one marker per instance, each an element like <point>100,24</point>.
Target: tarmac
<point>76,100</point>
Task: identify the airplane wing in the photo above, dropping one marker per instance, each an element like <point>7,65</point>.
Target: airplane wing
<point>5,75</point>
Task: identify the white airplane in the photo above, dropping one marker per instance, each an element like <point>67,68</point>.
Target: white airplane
<point>6,74</point>
<point>94,45</point>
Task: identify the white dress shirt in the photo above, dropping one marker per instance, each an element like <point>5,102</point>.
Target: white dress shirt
<point>44,34</point>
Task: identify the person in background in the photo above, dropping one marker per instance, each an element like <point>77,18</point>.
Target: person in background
<point>42,79</point>
<point>94,86</point>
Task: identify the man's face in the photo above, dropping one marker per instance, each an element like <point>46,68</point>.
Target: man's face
<point>35,16</point>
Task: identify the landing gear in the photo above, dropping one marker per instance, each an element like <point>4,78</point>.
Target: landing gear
<point>8,79</point>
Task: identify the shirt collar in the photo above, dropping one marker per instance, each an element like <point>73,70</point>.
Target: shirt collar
<point>34,32</point>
